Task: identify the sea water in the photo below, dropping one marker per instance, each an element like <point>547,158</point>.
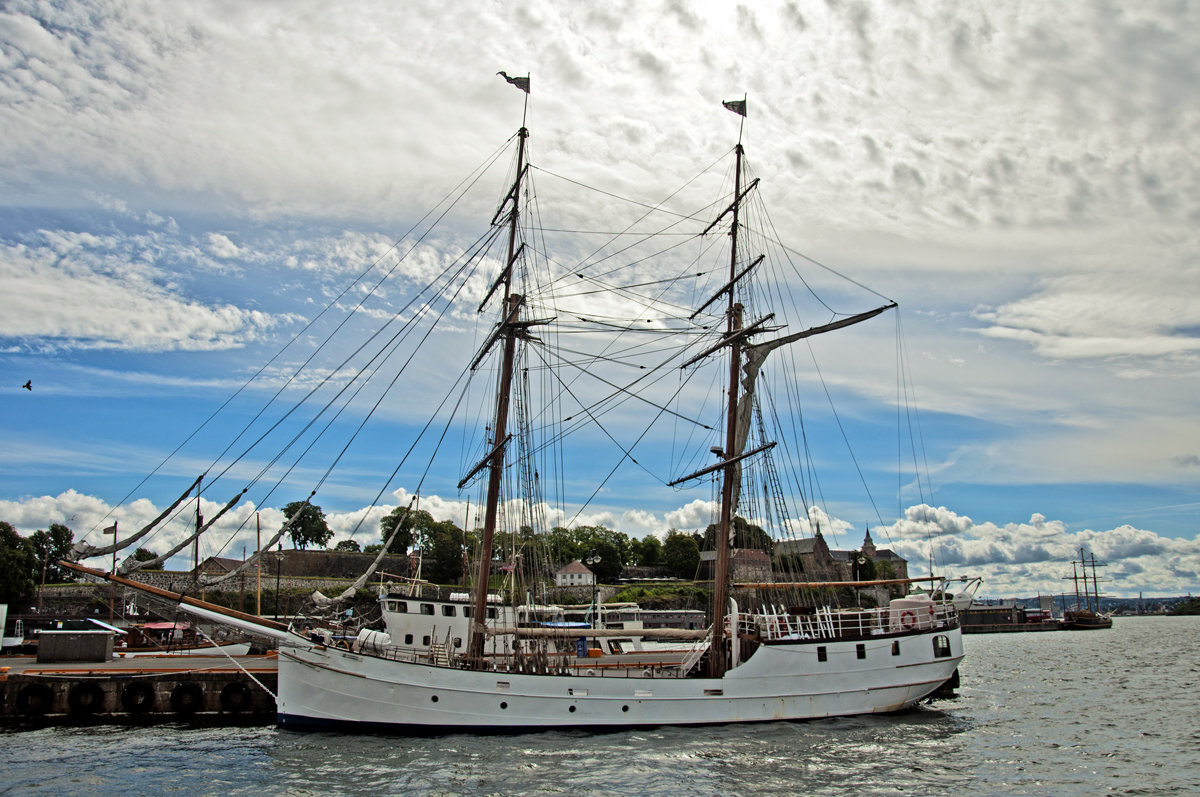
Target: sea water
<point>1061,713</point>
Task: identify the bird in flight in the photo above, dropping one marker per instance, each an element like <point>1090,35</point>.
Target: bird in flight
<point>28,385</point>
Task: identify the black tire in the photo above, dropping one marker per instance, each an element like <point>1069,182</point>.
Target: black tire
<point>235,697</point>
<point>138,697</point>
<point>85,697</point>
<point>187,698</point>
<point>35,700</point>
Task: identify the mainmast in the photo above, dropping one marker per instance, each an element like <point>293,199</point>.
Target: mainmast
<point>509,329</point>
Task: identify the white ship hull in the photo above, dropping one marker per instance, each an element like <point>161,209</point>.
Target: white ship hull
<point>331,688</point>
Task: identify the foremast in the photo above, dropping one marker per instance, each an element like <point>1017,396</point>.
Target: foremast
<point>509,329</point>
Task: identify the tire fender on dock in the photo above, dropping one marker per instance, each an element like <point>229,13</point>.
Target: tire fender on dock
<point>35,700</point>
<point>138,697</point>
<point>235,697</point>
<point>187,698</point>
<point>85,697</point>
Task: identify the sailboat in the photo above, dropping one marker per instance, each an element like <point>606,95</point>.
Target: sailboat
<point>768,653</point>
<point>1086,614</point>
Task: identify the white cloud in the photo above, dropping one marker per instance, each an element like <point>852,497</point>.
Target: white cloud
<point>1014,559</point>
<point>78,291</point>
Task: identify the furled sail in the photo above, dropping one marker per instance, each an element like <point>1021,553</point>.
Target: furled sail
<point>84,550</point>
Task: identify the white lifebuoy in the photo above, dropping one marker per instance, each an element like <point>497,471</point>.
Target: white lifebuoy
<point>907,619</point>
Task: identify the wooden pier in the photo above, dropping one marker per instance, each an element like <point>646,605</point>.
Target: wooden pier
<point>221,689</point>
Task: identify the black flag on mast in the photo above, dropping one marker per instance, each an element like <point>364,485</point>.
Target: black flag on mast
<point>737,106</point>
<point>520,82</point>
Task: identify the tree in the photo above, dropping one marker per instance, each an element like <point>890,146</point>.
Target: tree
<point>745,535</point>
<point>442,553</point>
<point>310,528</point>
<point>145,555</point>
<point>49,548</point>
<point>648,551</point>
<point>681,554</point>
<point>863,566</point>
<point>412,525</point>
<point>351,546</point>
<point>17,564</point>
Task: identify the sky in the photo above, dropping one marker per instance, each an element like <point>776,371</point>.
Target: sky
<point>182,187</point>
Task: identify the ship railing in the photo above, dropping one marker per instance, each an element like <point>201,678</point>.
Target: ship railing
<point>775,623</point>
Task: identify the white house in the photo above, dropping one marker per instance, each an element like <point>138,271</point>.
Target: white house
<point>575,574</point>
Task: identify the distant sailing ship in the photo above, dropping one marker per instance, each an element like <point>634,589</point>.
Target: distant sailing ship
<point>770,652</point>
<point>1085,615</point>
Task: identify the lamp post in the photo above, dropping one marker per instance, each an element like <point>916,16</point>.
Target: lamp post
<point>857,561</point>
<point>278,565</point>
<point>591,561</point>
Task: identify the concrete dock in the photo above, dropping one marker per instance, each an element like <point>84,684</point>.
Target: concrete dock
<point>238,689</point>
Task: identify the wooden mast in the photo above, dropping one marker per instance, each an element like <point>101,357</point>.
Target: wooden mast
<point>717,664</point>
<point>510,312</point>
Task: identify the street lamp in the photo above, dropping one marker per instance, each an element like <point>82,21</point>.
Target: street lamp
<point>591,561</point>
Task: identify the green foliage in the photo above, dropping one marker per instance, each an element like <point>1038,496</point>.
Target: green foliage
<point>350,546</point>
<point>310,528</point>
<point>648,551</point>
<point>1190,606</point>
<point>374,547</point>
<point>49,548</point>
<point>443,548</point>
<point>681,555</point>
<point>678,596</point>
<point>144,555</point>
<point>866,568</point>
<point>17,565</point>
<point>412,526</point>
<point>745,535</point>
<point>582,542</point>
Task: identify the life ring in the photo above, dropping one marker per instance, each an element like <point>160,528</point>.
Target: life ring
<point>187,698</point>
<point>35,700</point>
<point>235,697</point>
<point>138,697</point>
<point>907,619</point>
<point>85,697</point>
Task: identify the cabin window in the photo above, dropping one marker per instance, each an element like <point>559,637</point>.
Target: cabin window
<point>448,611</point>
<point>860,650</point>
<point>941,646</point>
<point>896,647</point>
<point>425,641</point>
<point>468,611</point>
<point>458,642</point>
<point>408,639</point>
<point>822,653</point>
<point>491,613</point>
<point>426,608</point>
<point>391,605</point>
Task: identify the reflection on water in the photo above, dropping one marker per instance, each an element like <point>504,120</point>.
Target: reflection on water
<point>1061,713</point>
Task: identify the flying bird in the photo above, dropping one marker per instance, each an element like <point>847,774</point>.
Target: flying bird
<point>28,385</point>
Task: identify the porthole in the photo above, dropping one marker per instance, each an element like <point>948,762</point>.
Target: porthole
<point>433,699</point>
<point>571,709</point>
<point>624,708</point>
<point>504,705</point>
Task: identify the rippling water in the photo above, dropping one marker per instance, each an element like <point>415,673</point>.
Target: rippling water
<point>1083,713</point>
